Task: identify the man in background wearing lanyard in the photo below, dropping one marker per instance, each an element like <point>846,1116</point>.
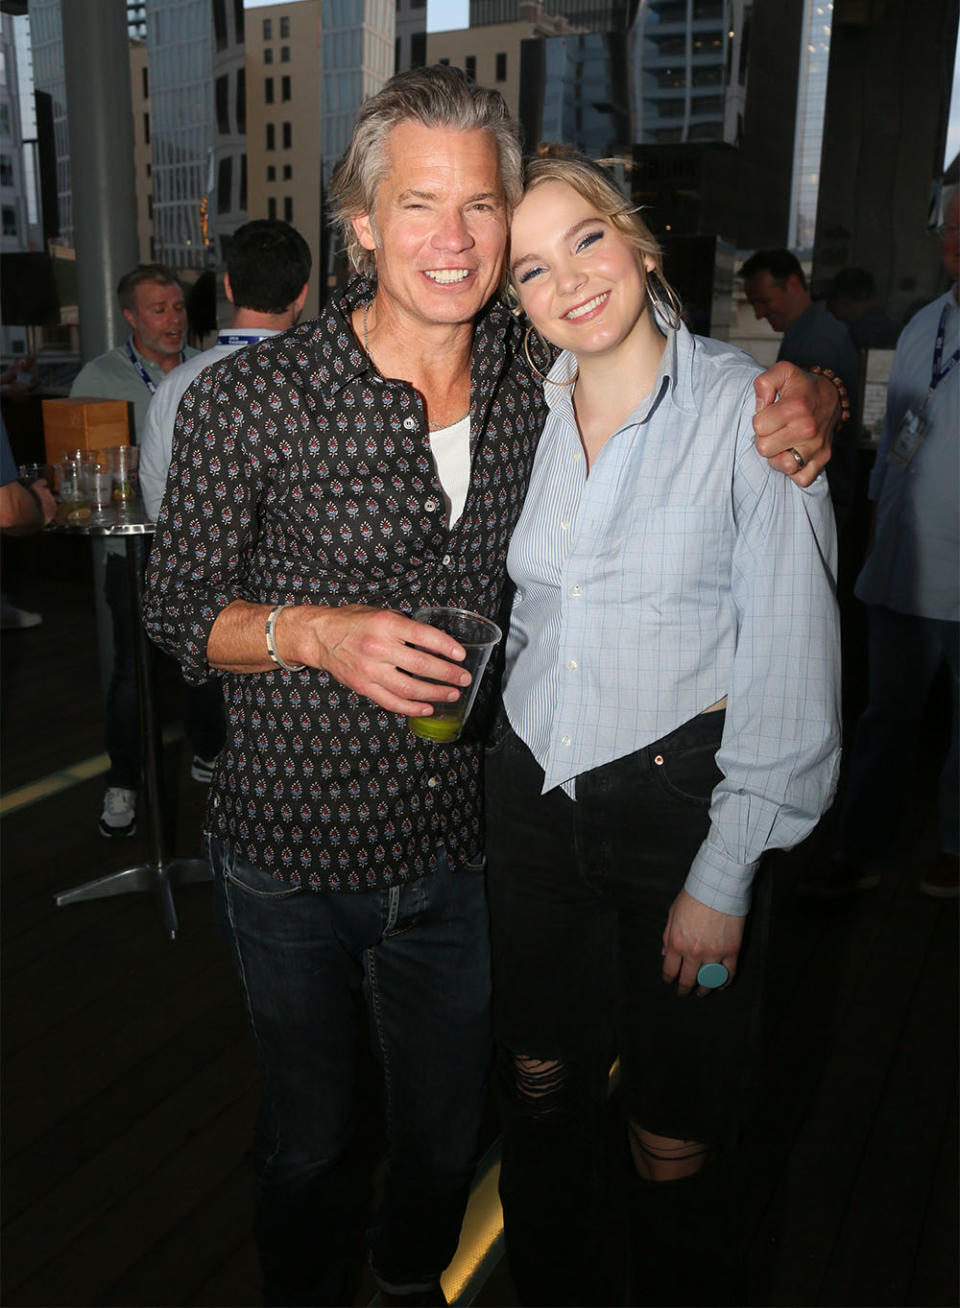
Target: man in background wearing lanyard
<point>151,298</point>
<point>911,586</point>
<point>268,267</point>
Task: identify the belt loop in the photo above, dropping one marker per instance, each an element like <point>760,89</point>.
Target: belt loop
<point>393,908</point>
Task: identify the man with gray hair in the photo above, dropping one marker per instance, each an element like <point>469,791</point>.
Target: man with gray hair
<point>324,485</point>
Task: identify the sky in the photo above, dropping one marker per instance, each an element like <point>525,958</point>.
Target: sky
<point>445,15</point>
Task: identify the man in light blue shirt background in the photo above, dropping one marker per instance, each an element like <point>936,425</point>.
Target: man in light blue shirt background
<point>911,586</point>
<point>266,280</point>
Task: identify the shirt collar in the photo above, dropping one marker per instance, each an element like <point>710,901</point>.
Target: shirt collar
<point>495,335</point>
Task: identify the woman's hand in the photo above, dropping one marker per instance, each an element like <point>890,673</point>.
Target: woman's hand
<point>695,935</point>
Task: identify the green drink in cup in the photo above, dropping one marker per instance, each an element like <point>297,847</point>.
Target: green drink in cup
<point>479,637</point>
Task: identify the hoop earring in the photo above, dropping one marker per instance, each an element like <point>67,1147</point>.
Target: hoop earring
<point>667,302</point>
<point>533,367</point>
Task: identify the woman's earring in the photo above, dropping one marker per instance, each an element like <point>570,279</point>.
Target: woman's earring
<point>664,299</point>
<point>512,301</point>
<point>533,367</point>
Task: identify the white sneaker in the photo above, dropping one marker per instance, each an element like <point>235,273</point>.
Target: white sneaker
<point>201,769</point>
<point>14,619</point>
<point>119,816</point>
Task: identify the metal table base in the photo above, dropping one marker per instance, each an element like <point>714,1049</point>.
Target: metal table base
<point>161,878</point>
<point>158,873</point>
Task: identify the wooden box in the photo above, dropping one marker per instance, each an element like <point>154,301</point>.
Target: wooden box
<point>79,424</point>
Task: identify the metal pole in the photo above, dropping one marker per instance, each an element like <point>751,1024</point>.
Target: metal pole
<point>100,119</point>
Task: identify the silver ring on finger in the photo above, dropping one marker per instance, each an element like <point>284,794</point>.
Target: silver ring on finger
<point>712,976</point>
<point>798,458</point>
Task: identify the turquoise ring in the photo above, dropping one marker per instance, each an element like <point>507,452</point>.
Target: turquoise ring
<point>712,975</point>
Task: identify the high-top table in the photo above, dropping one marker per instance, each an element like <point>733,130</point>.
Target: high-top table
<point>160,873</point>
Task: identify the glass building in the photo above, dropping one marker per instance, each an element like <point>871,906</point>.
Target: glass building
<point>359,55</point>
<point>688,61</point>
<point>181,123</point>
<point>811,103</point>
<point>46,39</point>
<point>574,89</point>
<point>587,15</point>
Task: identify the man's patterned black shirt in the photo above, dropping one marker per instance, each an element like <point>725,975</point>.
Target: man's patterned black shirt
<point>300,475</point>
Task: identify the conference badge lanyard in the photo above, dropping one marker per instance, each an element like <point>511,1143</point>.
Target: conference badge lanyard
<point>144,376</point>
<point>914,427</point>
<point>239,339</point>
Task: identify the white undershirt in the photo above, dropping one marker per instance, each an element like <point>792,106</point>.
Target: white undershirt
<point>450,447</point>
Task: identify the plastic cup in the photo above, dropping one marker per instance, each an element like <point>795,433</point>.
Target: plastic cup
<point>124,461</point>
<point>71,488</point>
<point>28,473</point>
<point>479,637</point>
<point>100,489</point>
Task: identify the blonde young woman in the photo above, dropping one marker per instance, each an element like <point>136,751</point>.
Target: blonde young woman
<point>671,713</point>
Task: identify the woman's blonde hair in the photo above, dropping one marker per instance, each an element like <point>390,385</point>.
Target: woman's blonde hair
<point>592,181</point>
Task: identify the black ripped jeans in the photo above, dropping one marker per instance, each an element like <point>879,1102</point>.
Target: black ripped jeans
<point>579,893</point>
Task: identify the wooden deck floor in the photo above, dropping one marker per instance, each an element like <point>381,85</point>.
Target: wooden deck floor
<point>129,1087</point>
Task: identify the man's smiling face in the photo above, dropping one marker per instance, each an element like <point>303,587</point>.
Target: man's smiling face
<point>439,226</point>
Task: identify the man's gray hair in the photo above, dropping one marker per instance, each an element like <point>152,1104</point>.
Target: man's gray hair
<point>434,97</point>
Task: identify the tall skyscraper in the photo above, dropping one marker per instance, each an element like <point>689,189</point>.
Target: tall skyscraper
<point>179,48</point>
<point>811,105</point>
<point>688,63</point>
<point>14,211</point>
<point>359,54</point>
<point>228,69</point>
<point>283,62</point>
<point>46,39</point>
<point>585,15</point>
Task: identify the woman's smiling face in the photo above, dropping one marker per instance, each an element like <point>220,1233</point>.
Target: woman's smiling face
<point>580,281</point>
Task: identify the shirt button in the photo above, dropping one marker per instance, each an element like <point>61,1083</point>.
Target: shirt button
<point>576,455</point>
<point>575,591</point>
<point>433,781</point>
<point>410,424</point>
<point>430,505</point>
<point>565,740</point>
<point>572,665</point>
<point>564,526</point>
<point>447,560</point>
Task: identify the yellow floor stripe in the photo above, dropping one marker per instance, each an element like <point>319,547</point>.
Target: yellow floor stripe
<point>56,782</point>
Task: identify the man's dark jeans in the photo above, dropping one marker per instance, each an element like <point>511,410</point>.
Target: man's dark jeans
<point>906,653</point>
<point>417,956</point>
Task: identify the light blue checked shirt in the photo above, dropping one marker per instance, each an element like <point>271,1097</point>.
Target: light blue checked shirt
<point>681,570</point>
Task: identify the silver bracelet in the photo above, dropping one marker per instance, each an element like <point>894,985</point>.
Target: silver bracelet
<point>272,641</point>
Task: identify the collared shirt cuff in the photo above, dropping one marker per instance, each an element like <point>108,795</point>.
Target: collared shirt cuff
<point>719,882</point>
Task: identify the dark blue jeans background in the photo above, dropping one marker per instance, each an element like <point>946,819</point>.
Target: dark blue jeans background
<point>201,706</point>
<point>905,654</point>
<point>417,957</point>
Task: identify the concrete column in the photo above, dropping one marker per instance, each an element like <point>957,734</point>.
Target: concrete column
<point>97,70</point>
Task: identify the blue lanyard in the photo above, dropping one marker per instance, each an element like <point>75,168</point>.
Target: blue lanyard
<point>145,377</point>
<point>937,373</point>
<point>241,338</point>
